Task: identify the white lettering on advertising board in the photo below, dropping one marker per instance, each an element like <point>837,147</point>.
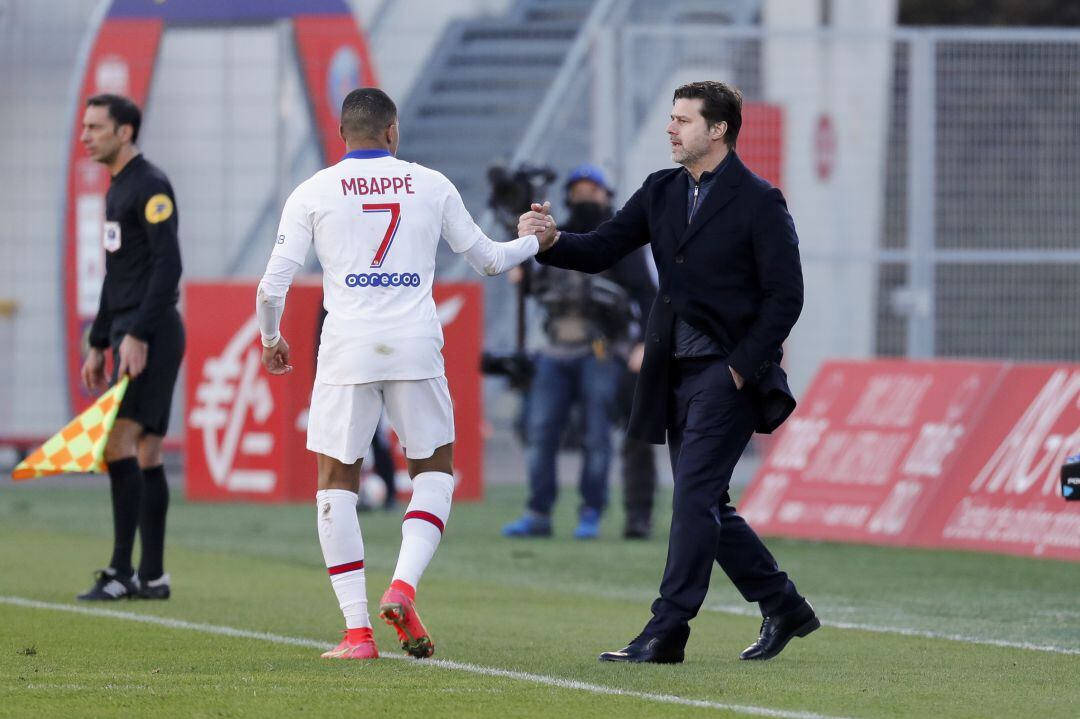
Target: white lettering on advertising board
<point>890,400</point>
<point>1033,452</point>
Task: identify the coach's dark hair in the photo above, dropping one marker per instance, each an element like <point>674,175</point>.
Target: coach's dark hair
<point>720,103</point>
<point>366,112</point>
<point>122,111</point>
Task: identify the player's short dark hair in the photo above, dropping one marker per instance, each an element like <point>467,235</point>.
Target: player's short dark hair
<point>366,112</point>
<point>121,109</point>
<point>720,103</point>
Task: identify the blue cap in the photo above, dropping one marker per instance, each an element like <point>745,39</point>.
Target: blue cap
<point>592,173</point>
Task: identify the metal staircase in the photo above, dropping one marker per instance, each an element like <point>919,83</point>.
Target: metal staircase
<point>480,89</point>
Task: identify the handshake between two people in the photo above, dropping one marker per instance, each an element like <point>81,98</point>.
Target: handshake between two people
<point>538,221</point>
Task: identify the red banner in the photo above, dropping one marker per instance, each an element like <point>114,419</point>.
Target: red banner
<point>1005,495</point>
<point>246,430</point>
<point>868,445</point>
<point>461,312</point>
<point>931,453</point>
<point>335,61</point>
<point>928,453</point>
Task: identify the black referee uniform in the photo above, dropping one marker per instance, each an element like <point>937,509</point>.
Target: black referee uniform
<point>142,287</point>
<point>139,296</point>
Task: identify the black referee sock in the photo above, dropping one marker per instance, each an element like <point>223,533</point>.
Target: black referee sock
<point>152,511</point>
<point>125,483</point>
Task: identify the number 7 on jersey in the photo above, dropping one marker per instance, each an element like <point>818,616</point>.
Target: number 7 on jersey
<point>394,208</point>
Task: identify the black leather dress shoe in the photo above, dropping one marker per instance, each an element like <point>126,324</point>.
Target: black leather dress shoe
<point>777,631</point>
<point>655,650</point>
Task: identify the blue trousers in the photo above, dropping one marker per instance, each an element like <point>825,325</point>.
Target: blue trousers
<point>556,386</point>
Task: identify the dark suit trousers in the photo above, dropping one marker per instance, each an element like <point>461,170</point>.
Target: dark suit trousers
<point>710,424</point>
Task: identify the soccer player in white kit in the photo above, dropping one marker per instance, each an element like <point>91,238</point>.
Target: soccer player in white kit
<point>376,222</point>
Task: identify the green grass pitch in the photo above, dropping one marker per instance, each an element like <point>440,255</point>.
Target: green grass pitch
<point>518,625</point>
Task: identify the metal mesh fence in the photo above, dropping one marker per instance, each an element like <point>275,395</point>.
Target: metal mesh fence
<point>952,189</point>
<point>1006,221</point>
<point>1008,156</point>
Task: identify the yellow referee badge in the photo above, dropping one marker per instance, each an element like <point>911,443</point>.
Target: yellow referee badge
<point>159,208</point>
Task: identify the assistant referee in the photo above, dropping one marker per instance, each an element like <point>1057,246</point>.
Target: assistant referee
<point>138,319</point>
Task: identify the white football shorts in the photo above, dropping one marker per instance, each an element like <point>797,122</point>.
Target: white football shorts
<point>343,418</point>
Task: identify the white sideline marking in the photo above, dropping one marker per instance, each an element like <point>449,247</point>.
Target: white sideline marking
<point>442,663</point>
<point>907,632</point>
<point>954,637</point>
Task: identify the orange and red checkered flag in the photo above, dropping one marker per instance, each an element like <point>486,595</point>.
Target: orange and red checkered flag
<point>80,446</point>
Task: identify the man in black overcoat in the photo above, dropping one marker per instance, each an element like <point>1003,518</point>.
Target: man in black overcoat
<point>730,291</point>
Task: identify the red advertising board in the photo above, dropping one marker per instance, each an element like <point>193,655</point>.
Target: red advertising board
<point>246,430</point>
<point>1006,490</point>
<point>461,313</point>
<point>868,446</point>
<point>959,454</point>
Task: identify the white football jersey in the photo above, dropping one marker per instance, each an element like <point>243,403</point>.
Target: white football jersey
<point>375,222</point>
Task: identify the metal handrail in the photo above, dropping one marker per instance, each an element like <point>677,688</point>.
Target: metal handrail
<point>377,19</point>
<point>575,56</point>
<point>571,66</point>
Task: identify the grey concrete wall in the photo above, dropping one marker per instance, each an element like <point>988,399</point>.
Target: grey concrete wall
<point>39,40</point>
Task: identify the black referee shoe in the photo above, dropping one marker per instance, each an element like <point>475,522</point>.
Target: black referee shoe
<point>155,588</point>
<point>110,585</point>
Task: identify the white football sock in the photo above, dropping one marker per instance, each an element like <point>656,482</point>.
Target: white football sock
<point>423,525</point>
<point>343,552</point>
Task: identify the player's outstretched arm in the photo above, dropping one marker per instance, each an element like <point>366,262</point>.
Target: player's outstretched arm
<point>466,238</point>
<point>493,258</point>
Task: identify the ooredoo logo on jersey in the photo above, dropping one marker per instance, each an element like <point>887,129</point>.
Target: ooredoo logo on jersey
<point>383,279</point>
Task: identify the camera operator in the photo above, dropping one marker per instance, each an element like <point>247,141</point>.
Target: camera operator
<point>592,328</point>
